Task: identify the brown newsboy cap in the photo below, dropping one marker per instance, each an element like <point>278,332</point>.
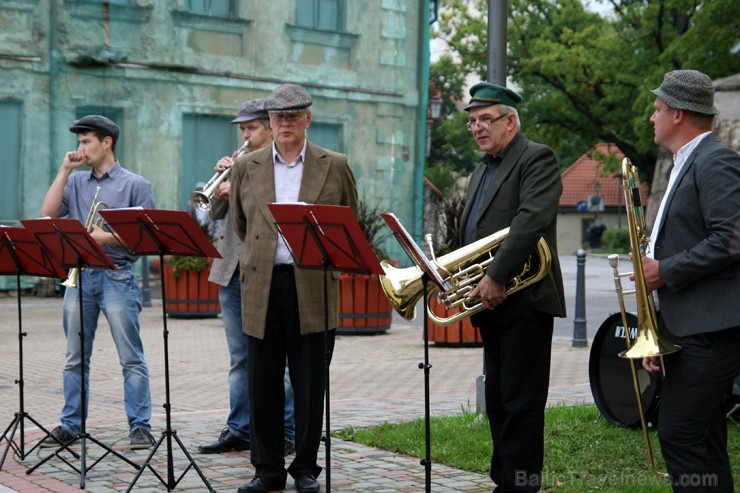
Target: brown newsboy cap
<point>95,122</point>
<point>288,98</point>
<point>688,90</point>
<point>251,110</point>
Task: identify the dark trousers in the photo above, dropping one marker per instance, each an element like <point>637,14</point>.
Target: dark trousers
<point>517,344</point>
<point>692,423</point>
<point>266,391</point>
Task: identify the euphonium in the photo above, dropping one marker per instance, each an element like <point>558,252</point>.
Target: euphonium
<point>462,269</point>
<point>202,199</point>
<point>71,281</point>
<point>647,342</point>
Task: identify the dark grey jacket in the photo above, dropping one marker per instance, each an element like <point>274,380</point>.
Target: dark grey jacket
<point>698,245</point>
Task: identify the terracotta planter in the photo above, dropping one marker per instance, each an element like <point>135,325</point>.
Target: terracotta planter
<point>190,295</point>
<point>363,307</point>
<point>460,334</point>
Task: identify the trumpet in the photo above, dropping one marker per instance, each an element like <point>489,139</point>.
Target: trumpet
<point>202,199</point>
<point>646,343</point>
<point>74,273</point>
<point>463,269</point>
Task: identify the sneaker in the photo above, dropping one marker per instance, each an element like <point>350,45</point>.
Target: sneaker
<point>288,448</point>
<point>58,437</point>
<point>141,439</point>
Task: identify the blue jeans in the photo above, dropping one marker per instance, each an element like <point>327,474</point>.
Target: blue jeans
<point>116,293</point>
<point>236,340</point>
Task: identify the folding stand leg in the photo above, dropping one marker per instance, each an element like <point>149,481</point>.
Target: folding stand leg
<point>21,415</point>
<point>427,460</point>
<point>83,435</point>
<point>327,362</point>
<point>171,483</point>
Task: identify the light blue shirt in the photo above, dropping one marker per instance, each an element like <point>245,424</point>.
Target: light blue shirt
<point>119,188</point>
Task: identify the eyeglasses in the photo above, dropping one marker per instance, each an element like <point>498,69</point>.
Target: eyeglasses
<point>286,118</point>
<point>484,122</point>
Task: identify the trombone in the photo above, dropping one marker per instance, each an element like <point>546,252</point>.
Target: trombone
<point>646,343</point>
<point>71,281</point>
<point>202,199</point>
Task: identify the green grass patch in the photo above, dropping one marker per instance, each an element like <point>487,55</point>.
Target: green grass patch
<point>583,452</point>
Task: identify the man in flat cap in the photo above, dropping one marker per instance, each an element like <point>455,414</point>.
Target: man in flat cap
<point>695,271</point>
<point>114,292</point>
<point>254,125</point>
<point>283,309</point>
<point>517,186</point>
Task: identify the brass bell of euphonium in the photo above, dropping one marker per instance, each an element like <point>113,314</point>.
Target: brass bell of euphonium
<point>462,269</point>
<point>74,273</point>
<point>202,198</point>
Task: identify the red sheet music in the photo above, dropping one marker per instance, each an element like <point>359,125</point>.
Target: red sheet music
<point>147,231</point>
<point>20,251</point>
<point>68,242</point>
<point>336,230</point>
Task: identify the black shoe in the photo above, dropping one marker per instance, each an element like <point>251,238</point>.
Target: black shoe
<point>58,437</point>
<point>289,448</point>
<point>226,442</point>
<point>141,439</point>
<point>261,485</point>
<point>305,483</point>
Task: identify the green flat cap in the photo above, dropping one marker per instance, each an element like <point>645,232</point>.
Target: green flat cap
<point>487,94</point>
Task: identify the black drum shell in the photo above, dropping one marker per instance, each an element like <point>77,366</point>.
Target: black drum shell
<point>611,379</point>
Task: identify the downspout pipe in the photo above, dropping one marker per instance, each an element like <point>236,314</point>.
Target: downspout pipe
<point>421,133</point>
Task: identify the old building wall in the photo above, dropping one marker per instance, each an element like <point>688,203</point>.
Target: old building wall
<point>152,62</point>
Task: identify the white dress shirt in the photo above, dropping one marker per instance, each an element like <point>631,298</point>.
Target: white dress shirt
<point>287,186</point>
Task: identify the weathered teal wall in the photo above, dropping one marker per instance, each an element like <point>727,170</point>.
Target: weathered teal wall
<point>155,62</point>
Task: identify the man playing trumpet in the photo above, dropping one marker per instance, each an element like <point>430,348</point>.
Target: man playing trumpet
<point>114,292</point>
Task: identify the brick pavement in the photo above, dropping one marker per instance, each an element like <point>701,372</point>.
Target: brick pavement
<point>373,379</point>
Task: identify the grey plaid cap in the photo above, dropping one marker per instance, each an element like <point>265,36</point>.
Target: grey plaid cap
<point>688,90</point>
<point>251,110</point>
<point>288,98</point>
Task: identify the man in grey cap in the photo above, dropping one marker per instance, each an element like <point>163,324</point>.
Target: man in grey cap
<point>114,292</point>
<point>695,271</point>
<point>283,309</point>
<point>254,125</point>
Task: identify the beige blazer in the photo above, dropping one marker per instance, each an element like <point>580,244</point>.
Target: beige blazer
<point>327,179</point>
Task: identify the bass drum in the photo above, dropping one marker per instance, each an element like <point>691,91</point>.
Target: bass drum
<point>611,379</point>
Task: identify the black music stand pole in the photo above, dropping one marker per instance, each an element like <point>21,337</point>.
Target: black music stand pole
<point>72,245</point>
<point>429,273</point>
<point>162,232</point>
<point>427,460</point>
<point>20,253</point>
<point>325,237</point>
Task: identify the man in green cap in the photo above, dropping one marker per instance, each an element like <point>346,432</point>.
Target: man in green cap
<point>517,186</point>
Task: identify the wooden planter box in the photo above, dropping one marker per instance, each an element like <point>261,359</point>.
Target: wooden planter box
<point>190,295</point>
<point>460,334</point>
<point>363,306</point>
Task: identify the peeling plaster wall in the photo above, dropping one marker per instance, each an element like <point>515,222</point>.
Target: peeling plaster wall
<point>154,62</point>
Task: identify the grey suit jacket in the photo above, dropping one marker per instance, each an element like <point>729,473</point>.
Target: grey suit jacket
<point>327,179</point>
<point>698,245</point>
<point>523,196</point>
<point>229,245</point>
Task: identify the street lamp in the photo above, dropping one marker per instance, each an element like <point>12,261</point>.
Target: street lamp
<point>435,106</point>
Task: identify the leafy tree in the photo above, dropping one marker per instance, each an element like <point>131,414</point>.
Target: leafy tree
<point>586,78</point>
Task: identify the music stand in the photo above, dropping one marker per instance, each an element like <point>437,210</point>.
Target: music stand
<point>429,273</point>
<point>71,245</point>
<point>325,237</point>
<point>162,232</point>
<point>20,253</point>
